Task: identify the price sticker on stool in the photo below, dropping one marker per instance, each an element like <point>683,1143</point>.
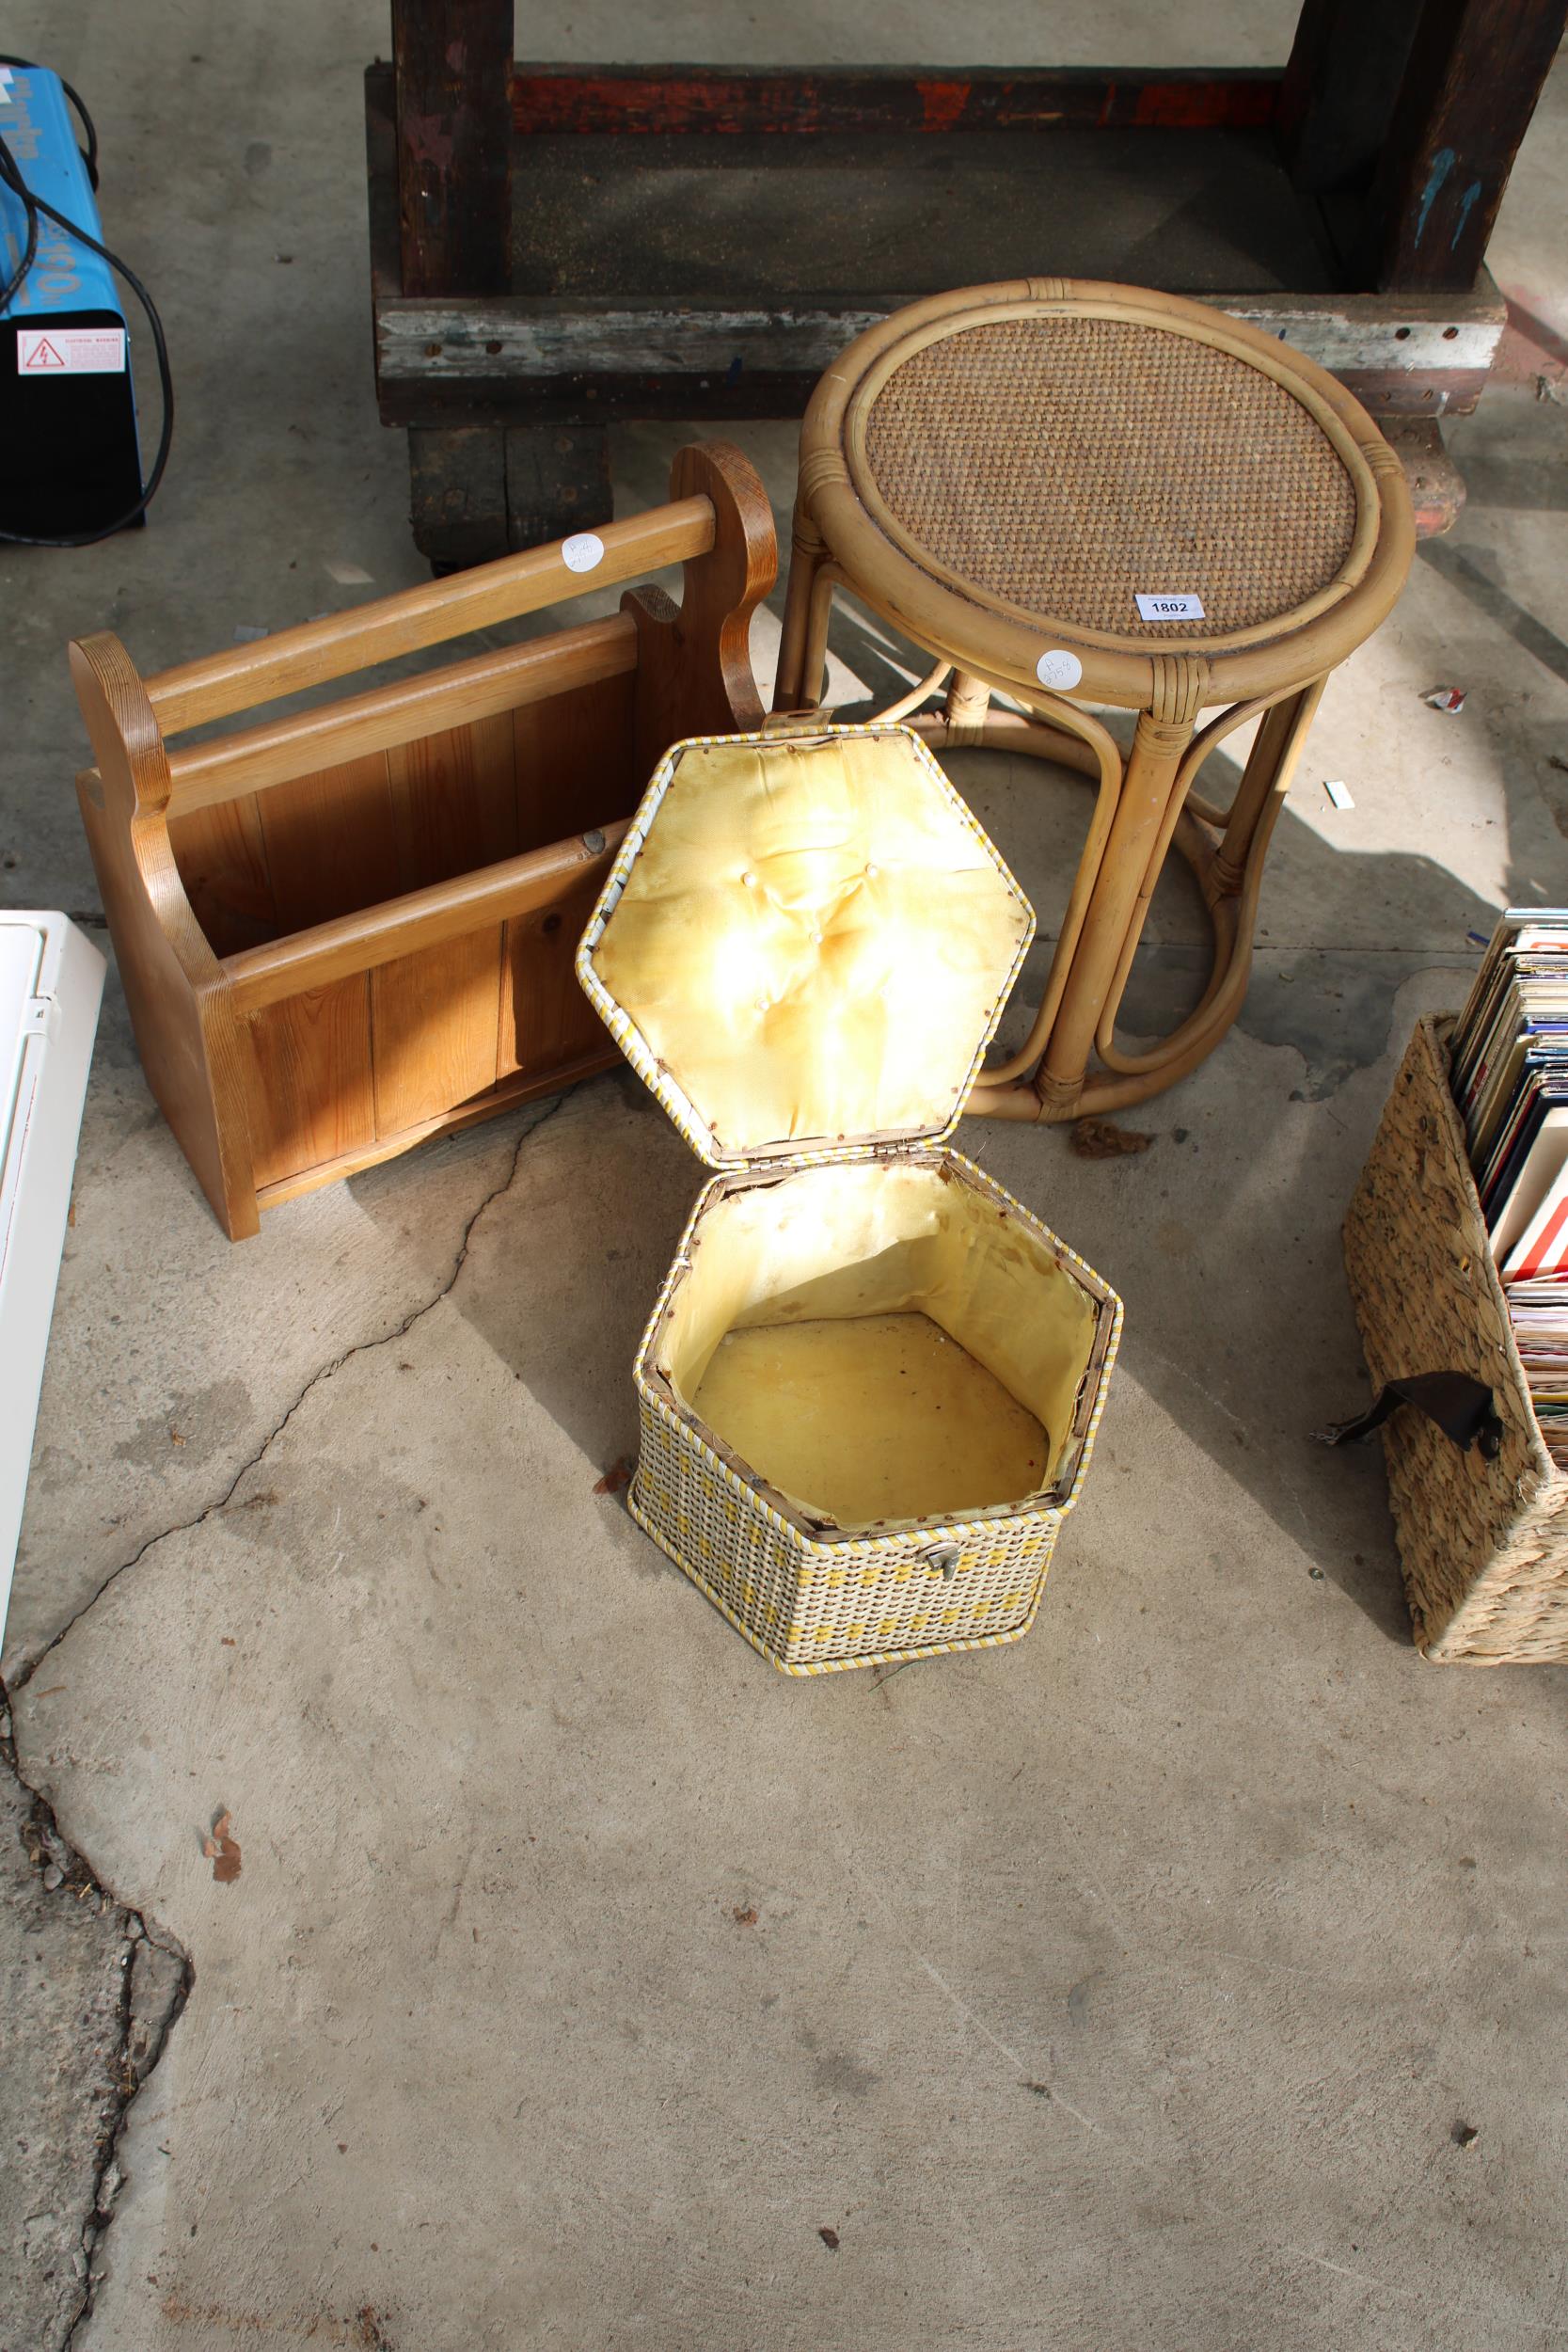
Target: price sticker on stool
<point>583,552</point>
<point>1060,669</point>
<point>1172,608</point>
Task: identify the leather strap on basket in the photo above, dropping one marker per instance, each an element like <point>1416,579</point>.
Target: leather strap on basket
<point>1464,1409</point>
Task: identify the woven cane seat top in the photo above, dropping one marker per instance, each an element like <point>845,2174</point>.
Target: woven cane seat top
<point>1052,457</point>
<point>1065,465</point>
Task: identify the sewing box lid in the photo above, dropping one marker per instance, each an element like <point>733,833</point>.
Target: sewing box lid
<point>806,944</point>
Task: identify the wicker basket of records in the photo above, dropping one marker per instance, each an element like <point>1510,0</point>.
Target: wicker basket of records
<point>1484,1541</point>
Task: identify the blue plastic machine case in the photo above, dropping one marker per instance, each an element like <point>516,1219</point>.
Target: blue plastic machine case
<point>68,455</point>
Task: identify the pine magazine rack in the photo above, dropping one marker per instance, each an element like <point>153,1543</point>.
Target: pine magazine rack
<point>351,928</point>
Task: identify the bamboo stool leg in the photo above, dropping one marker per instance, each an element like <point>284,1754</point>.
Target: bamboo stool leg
<point>1225,853</point>
<point>1004,1090</point>
<point>1153,772</point>
<point>1140,815</point>
<point>967,701</point>
<point>806,553</point>
<point>813,661</point>
<point>1270,767</point>
<point>1231,876</point>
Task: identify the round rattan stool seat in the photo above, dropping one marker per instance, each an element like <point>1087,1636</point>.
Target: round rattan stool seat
<point>1007,470</point>
<point>1081,495</point>
<point>1060,465</point>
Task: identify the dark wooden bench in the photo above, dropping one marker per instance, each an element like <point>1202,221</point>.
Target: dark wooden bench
<point>557,246</point>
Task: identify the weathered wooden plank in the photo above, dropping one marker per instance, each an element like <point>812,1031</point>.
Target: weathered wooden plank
<point>381,179</point>
<point>795,102</point>
<point>451,59</point>
<point>437,345</point>
<point>771,219</point>
<point>1405,333</point>
<point>1386,394</point>
<point>457,491</point>
<point>557,481</point>
<point>1339,88</point>
<point>707,402</point>
<point>1470,87</point>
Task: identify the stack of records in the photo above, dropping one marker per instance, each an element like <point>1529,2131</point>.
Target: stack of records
<point>1510,1073</point>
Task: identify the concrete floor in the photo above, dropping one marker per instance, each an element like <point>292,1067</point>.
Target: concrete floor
<point>1192,1974</point>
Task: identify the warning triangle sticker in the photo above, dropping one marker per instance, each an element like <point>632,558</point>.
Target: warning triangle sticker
<point>43,355</point>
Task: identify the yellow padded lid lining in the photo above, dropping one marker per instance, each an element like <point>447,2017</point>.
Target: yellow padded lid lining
<point>814,940</point>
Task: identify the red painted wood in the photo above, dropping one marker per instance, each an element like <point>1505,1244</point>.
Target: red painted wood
<point>1242,104</point>
<point>554,99</point>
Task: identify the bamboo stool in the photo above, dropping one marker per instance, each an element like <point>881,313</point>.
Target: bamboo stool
<point>1001,473</point>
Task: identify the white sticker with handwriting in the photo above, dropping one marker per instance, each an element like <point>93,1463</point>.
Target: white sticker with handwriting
<point>1060,669</point>
<point>583,552</point>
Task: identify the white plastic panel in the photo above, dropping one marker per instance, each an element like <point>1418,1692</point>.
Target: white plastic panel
<point>51,983</point>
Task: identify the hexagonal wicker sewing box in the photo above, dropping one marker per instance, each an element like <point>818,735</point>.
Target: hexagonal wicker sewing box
<point>871,1383</point>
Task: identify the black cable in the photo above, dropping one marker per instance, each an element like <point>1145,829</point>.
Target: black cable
<point>90,152</point>
<point>14,282</point>
<point>10,173</point>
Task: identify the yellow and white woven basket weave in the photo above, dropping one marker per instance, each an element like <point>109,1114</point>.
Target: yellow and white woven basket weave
<point>811,1598</point>
<point>816,1608</point>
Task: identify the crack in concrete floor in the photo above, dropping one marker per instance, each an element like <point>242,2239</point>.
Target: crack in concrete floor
<point>399,1725</point>
<point>154,1981</point>
<point>19,1682</point>
<point>63,1869</point>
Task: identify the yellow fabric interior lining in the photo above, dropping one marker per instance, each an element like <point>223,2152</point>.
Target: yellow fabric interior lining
<point>812,941</point>
<point>933,1433</point>
<point>884,1237</point>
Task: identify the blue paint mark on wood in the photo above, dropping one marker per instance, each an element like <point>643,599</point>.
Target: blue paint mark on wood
<point>1466,201</point>
<point>1442,163</point>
